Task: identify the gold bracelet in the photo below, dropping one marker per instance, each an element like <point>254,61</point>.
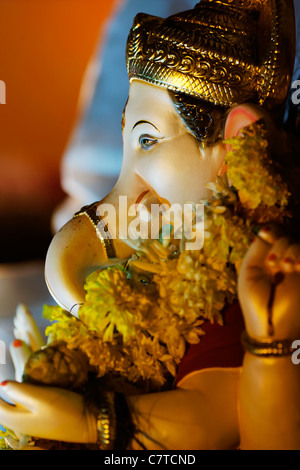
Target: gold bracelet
<point>106,423</point>
<point>277,348</point>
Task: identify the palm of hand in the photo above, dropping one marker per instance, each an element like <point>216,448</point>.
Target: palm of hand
<point>269,285</point>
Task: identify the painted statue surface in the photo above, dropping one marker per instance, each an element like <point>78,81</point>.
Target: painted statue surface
<point>202,125</point>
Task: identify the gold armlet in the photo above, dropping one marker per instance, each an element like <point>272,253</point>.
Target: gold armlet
<point>278,348</point>
<point>106,423</point>
<point>115,427</point>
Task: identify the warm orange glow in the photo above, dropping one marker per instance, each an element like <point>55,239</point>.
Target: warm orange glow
<point>45,47</point>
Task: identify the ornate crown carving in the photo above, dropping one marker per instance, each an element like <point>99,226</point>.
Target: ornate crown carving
<point>222,51</point>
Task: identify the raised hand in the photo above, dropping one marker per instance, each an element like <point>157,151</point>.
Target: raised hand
<point>269,287</point>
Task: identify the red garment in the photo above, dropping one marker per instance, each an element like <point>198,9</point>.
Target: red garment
<point>219,347</point>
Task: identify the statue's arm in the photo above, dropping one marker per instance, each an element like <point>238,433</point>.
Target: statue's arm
<point>269,405</point>
<point>195,416</point>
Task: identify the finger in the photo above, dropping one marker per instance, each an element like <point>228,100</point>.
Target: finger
<point>20,353</point>
<point>269,234</point>
<point>6,411</point>
<point>5,406</point>
<point>261,245</point>
<point>257,252</point>
<point>21,394</point>
<point>276,254</point>
<point>289,258</point>
<point>12,416</point>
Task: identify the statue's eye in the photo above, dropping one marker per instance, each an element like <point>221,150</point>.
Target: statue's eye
<point>146,142</point>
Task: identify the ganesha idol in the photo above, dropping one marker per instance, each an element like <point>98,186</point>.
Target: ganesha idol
<point>156,345</point>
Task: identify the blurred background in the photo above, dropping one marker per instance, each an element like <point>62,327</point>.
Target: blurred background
<point>45,47</point>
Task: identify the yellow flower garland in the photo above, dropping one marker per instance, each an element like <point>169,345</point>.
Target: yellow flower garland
<point>137,319</point>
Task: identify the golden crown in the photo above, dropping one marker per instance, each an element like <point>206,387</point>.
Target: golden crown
<point>222,51</point>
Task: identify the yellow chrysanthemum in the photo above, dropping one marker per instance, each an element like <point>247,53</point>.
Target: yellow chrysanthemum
<point>137,320</point>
